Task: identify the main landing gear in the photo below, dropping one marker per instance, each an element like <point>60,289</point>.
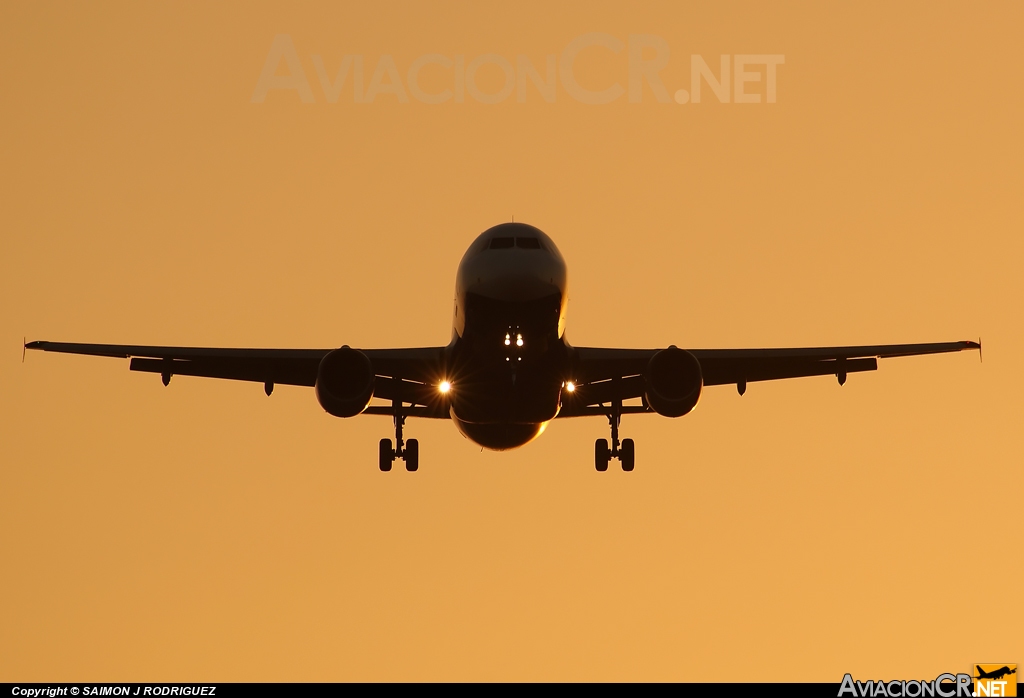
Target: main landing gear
<point>409,451</point>
<point>625,451</point>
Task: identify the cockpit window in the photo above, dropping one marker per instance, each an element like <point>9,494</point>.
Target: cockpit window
<point>522,243</point>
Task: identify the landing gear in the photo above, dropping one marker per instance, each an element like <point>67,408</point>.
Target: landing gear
<point>601,455</point>
<point>387,455</point>
<point>412,455</point>
<point>624,451</point>
<point>409,451</point>
<point>627,455</point>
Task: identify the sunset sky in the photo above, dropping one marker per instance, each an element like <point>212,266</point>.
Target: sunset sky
<point>159,188</point>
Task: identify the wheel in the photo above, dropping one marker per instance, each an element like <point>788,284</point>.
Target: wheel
<point>627,455</point>
<point>387,455</point>
<point>412,455</point>
<point>601,455</point>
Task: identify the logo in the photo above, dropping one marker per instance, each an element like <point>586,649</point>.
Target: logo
<point>943,686</point>
<point>995,680</point>
<point>434,78</point>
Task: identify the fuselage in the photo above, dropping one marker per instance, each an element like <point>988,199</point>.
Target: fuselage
<point>508,357</point>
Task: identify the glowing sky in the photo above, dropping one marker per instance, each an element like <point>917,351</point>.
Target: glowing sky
<point>205,531</point>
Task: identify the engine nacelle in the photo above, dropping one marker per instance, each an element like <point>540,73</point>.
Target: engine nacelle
<point>673,381</point>
<point>344,382</point>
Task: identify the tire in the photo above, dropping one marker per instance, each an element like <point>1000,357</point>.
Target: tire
<point>412,455</point>
<point>601,455</point>
<point>386,455</point>
<point>627,456</point>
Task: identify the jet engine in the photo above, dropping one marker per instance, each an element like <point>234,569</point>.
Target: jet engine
<point>344,382</point>
<point>673,381</point>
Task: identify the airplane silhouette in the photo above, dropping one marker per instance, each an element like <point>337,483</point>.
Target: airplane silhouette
<point>508,370</point>
<point>994,674</point>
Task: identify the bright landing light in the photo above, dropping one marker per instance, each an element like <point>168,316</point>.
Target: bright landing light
<point>570,386</point>
<point>445,386</point>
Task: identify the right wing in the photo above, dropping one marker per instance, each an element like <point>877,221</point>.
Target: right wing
<point>409,374</point>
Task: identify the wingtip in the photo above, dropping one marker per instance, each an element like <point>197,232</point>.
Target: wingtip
<point>968,344</point>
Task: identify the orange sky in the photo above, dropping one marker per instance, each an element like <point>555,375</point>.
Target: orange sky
<point>205,532</point>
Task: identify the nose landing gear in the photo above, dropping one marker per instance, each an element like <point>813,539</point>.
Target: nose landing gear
<point>624,451</point>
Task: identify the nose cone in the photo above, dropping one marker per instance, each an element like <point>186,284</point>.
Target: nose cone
<point>513,282</point>
<point>512,262</point>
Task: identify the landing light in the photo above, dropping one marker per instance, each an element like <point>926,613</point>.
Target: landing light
<point>445,386</point>
<point>519,340</point>
<point>570,386</point>
<point>508,339</point>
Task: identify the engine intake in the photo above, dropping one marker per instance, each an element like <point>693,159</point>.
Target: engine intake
<point>344,382</point>
<point>673,381</point>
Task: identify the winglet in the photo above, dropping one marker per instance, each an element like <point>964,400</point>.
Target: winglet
<point>24,346</point>
<point>968,344</point>
<point>981,358</point>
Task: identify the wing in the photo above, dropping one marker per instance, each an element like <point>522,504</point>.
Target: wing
<point>607,375</point>
<point>406,374</point>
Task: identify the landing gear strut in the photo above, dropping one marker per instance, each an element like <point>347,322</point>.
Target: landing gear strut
<point>409,451</point>
<point>624,451</point>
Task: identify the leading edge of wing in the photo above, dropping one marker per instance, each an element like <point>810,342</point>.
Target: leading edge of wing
<point>294,366</point>
<point>126,351</point>
<point>721,366</point>
<point>878,351</point>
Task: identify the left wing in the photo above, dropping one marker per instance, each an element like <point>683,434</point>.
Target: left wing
<point>408,374</point>
<point>607,375</point>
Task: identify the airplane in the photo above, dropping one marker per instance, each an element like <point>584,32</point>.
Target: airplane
<point>508,370</point>
<point>995,674</point>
